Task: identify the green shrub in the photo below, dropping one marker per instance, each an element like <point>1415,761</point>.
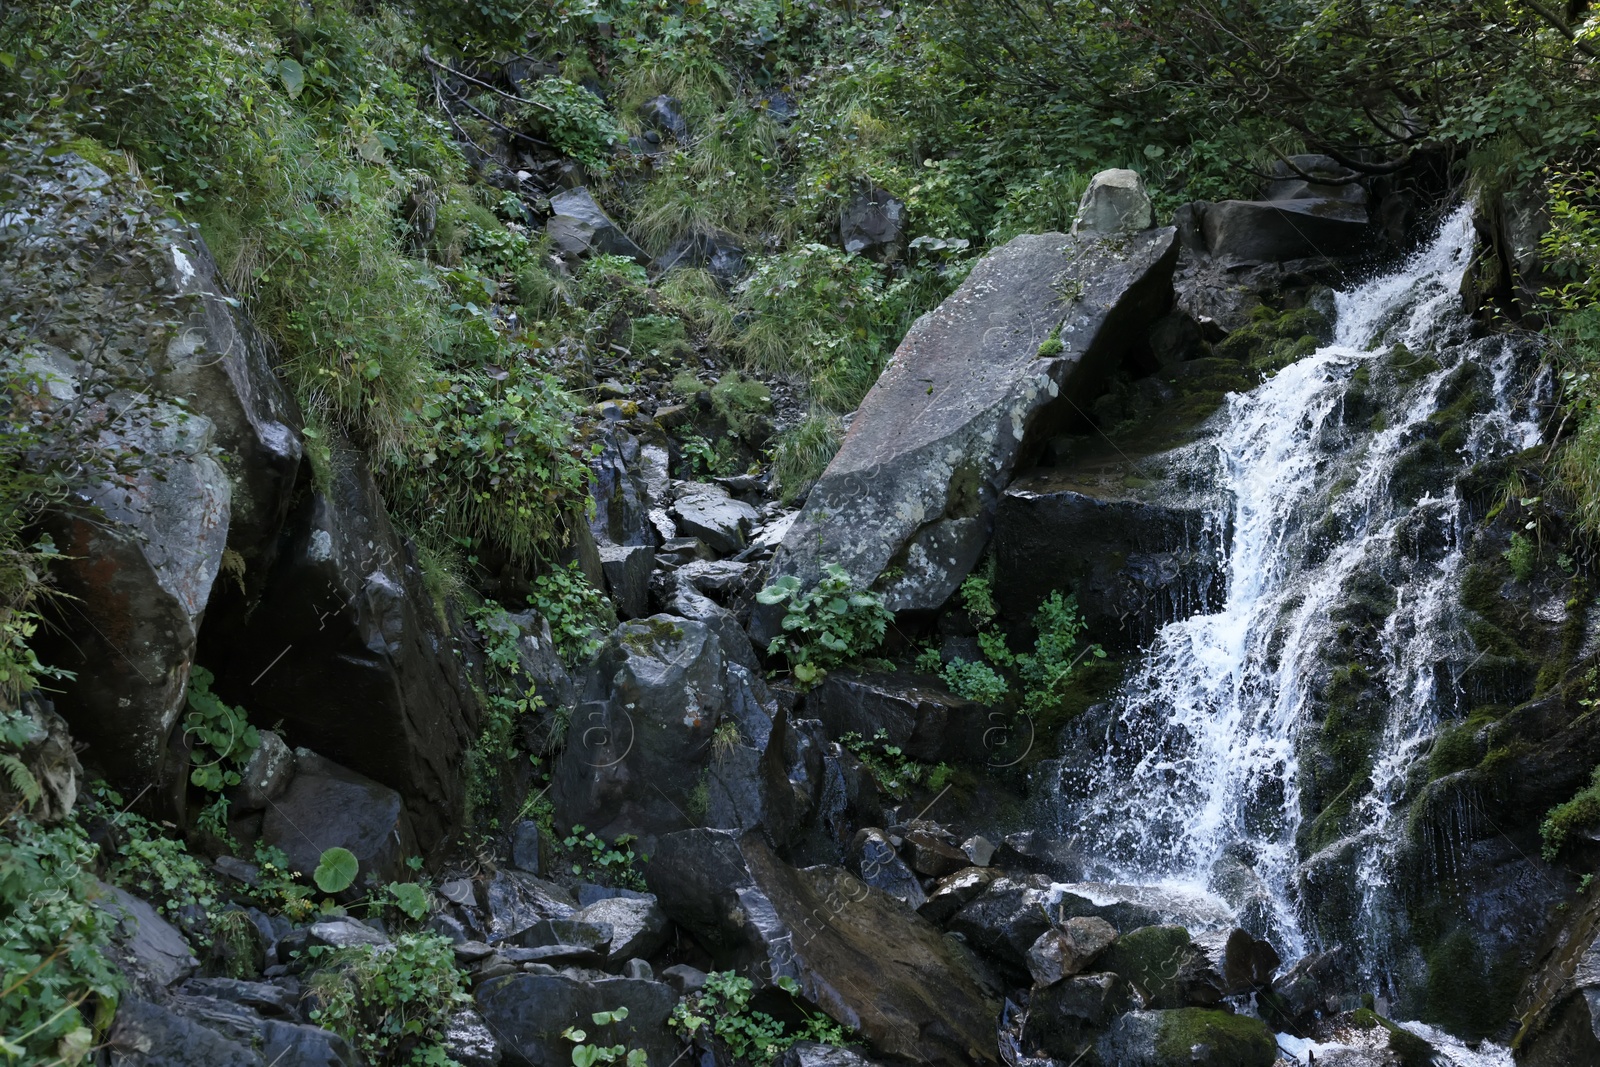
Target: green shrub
<point>721,1012</point>
<point>1522,557</point>
<point>741,402</point>
<point>572,119</point>
<point>975,680</point>
<point>392,1003</point>
<point>826,626</point>
<point>577,612</point>
<point>1582,812</point>
<point>223,738</point>
<point>1047,670</point>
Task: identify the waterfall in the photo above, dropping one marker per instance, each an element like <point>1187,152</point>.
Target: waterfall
<point>1200,768</point>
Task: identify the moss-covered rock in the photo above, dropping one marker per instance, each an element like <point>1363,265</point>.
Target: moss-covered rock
<point>1188,1037</point>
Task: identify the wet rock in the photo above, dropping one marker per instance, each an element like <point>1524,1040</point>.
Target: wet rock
<point>638,925</point>
<point>978,849</point>
<point>618,488</point>
<point>526,850</point>
<point>874,860</point>
<point>827,930</point>
<point>148,1035</point>
<point>706,511</point>
<point>637,753</point>
<point>952,892</point>
<point>1128,907</point>
<point>1005,919</point>
<point>345,933</point>
<point>329,806</point>
<point>1065,950</point>
<point>516,902</point>
<point>932,856</point>
<point>528,1012</point>
<point>684,978</point>
<point>873,224</point>
<point>1134,563</point>
<point>539,661</point>
<point>579,227</point>
<point>1067,1018</point>
<point>711,250</point>
<point>1240,232</point>
<point>1189,1037</point>
<point>265,998</point>
<point>1313,986</point>
<point>928,723</point>
<point>1245,963</point>
<point>288,1044</point>
<point>1033,852</point>
<point>1164,968</point>
<point>346,648</point>
<point>148,949</point>
<point>1114,202</point>
<point>918,477</point>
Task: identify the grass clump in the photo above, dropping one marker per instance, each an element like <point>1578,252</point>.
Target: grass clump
<point>1582,812</point>
<point>393,1002</point>
<point>803,452</point>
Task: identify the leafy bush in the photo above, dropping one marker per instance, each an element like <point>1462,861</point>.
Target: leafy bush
<point>615,862</point>
<point>576,611</point>
<point>224,740</point>
<point>826,626</point>
<point>1522,557</point>
<point>720,1011</point>
<point>573,120</point>
<point>891,768</point>
<point>975,680</point>
<point>1047,670</point>
<point>392,1003</point>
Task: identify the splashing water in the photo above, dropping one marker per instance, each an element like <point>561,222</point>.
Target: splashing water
<point>1199,771</point>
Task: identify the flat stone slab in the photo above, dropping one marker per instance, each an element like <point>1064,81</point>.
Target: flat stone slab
<point>914,486</point>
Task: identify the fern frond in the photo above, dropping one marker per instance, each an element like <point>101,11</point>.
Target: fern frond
<point>22,779</point>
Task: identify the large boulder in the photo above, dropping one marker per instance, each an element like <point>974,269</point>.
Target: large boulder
<point>149,950</point>
<point>580,227</point>
<point>860,955</point>
<point>1240,232</point>
<point>1135,559</point>
<point>1114,202</point>
<point>1067,1018</point>
<point>916,481</point>
<point>678,727</point>
<point>148,1035</point>
<point>707,511</point>
<point>329,806</point>
<point>927,723</point>
<point>1188,1037</point>
<point>714,251</point>
<point>528,1012</point>
<point>346,647</point>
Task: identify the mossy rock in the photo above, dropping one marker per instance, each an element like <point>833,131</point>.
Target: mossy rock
<point>661,334</point>
<point>1273,340</point>
<point>1150,959</point>
<point>1188,1037</point>
<point>1456,747</point>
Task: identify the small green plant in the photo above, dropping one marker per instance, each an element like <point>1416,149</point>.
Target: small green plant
<point>803,452</point>
<point>702,456</point>
<point>587,1055</point>
<point>392,1003</point>
<point>1582,812</point>
<point>975,680</point>
<point>1051,345</point>
<point>223,738</point>
<point>725,740</point>
<point>891,768</point>
<point>156,867</point>
<point>741,401</point>
<point>1522,557</point>
<point>720,1011</point>
<point>336,870</point>
<point>827,626</point>
<point>575,610</point>
<point>615,860</point>
<point>1047,670</point>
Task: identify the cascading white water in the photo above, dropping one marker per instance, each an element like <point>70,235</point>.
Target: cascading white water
<point>1200,755</point>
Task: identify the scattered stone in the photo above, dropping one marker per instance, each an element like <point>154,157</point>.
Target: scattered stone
<point>665,114</point>
<point>345,933</point>
<point>1242,232</point>
<point>714,251</point>
<point>515,902</point>
<point>931,855</point>
<point>706,511</point>
<point>684,978</point>
<point>587,893</point>
<point>811,1054</point>
<point>268,998</point>
<point>1005,919</point>
<point>979,850</point>
<point>1065,950</point>
<point>460,891</point>
<point>927,723</point>
<point>265,777</point>
<point>638,925</point>
<point>954,891</point>
<point>627,570</point>
<point>1114,202</point>
<point>579,227</point>
<point>1336,183</point>
<point>1246,963</point>
<point>290,1044</point>
<point>640,969</point>
<point>875,861</point>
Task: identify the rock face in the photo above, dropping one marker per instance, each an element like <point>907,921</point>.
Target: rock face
<point>1134,564</point>
<point>528,1012</point>
<point>857,953</point>
<point>917,479</point>
<point>579,227</point>
<point>1190,1037</point>
<point>346,649</point>
<point>1115,202</point>
<point>676,718</point>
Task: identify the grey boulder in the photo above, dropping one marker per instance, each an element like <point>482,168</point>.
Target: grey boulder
<point>1114,202</point>
<point>917,479</point>
<point>580,227</point>
<point>1241,232</point>
<point>328,806</point>
<point>528,1012</point>
<point>706,511</point>
<point>873,224</point>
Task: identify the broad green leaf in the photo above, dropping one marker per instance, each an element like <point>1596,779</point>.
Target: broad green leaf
<point>336,869</point>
